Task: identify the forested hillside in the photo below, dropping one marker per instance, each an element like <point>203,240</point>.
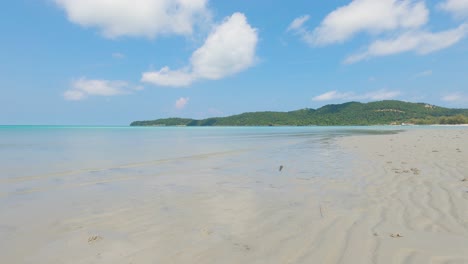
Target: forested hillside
<point>352,113</point>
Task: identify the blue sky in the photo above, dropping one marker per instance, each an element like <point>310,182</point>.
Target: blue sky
<point>111,62</point>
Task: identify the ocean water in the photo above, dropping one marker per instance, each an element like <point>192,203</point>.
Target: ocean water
<point>60,184</point>
<point>38,160</point>
<point>28,152</point>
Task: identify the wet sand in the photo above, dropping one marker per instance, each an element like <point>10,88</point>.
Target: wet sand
<point>397,198</point>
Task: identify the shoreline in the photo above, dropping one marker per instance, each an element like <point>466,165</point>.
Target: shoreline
<point>380,198</point>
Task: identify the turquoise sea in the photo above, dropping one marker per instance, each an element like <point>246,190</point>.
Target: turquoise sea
<point>38,151</point>
<point>41,159</point>
<point>38,160</point>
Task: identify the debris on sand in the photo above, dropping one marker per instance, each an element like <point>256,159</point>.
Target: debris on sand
<point>397,235</point>
<point>93,239</point>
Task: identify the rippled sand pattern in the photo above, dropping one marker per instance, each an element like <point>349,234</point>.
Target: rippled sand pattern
<point>415,188</point>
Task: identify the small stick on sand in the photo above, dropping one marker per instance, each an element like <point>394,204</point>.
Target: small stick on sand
<point>321,213</point>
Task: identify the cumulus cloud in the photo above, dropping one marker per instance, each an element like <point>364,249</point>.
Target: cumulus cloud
<point>396,26</point>
<point>83,87</point>
<point>369,16</point>
<point>181,103</point>
<point>459,8</point>
<point>148,18</point>
<point>374,95</point>
<point>230,48</point>
<point>420,42</point>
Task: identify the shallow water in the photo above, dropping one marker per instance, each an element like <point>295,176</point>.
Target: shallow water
<point>55,180</point>
<point>33,151</point>
<point>36,159</point>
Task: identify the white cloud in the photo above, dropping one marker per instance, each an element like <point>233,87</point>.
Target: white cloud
<point>455,97</point>
<point>332,95</point>
<point>375,95</point>
<point>369,16</point>
<point>74,95</point>
<point>459,8</point>
<point>298,23</point>
<point>229,49</point>
<point>149,18</point>
<point>82,88</point>
<point>167,77</point>
<point>396,26</point>
<point>421,42</point>
<point>181,103</point>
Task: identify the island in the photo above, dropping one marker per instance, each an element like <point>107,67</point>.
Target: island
<point>387,112</point>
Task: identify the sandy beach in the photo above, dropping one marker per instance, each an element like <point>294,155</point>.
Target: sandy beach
<point>417,199</point>
<point>234,132</point>
<point>398,198</point>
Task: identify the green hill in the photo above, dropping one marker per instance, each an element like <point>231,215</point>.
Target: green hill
<point>352,113</point>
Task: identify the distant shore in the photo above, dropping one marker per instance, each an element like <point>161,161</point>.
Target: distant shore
<point>387,112</point>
